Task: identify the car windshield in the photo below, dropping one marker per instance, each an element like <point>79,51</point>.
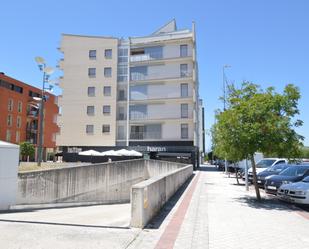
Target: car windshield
<point>306,179</point>
<point>294,171</point>
<point>265,163</point>
<point>277,168</point>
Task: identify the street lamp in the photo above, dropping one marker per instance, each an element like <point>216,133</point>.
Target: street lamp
<point>224,102</point>
<point>47,71</point>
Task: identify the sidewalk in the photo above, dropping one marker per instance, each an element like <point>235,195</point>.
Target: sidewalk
<point>215,213</point>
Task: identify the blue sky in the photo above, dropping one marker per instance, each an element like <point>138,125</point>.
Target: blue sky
<point>265,41</point>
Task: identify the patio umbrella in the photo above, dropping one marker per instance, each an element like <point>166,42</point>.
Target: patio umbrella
<point>110,153</point>
<point>90,153</point>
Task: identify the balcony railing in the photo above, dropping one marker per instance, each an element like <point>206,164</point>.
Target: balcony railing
<point>146,57</point>
<point>145,135</point>
<point>153,76</point>
<point>154,56</point>
<point>33,114</point>
<point>162,115</point>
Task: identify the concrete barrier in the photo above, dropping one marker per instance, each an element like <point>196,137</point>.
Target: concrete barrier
<point>9,155</point>
<point>149,196</point>
<point>158,167</point>
<point>102,183</point>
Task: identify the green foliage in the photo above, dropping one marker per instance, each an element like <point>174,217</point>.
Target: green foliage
<point>305,152</point>
<point>27,149</point>
<point>258,120</point>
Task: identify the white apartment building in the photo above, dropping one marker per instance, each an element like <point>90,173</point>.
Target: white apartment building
<point>141,92</point>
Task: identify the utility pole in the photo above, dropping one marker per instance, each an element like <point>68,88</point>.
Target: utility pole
<point>224,103</point>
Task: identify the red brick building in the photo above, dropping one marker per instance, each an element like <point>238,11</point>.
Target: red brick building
<point>19,114</point>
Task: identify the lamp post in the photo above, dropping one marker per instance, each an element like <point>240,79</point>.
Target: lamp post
<point>47,71</point>
<point>224,102</point>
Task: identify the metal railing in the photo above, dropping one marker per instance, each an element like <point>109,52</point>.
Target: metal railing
<point>140,116</point>
<point>33,113</point>
<point>154,56</point>
<point>145,135</point>
<point>135,76</point>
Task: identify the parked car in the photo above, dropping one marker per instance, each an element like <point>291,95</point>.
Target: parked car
<point>294,173</point>
<point>297,192</point>
<point>273,170</point>
<point>220,163</point>
<point>264,164</point>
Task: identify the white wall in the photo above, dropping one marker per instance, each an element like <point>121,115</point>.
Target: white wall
<point>172,130</point>
<point>75,83</point>
<point>9,156</point>
<point>173,50</point>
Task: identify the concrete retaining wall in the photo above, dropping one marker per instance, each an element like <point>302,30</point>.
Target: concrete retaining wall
<point>104,183</point>
<point>149,196</point>
<point>158,167</point>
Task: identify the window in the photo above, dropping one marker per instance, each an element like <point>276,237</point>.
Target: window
<point>120,132</point>
<point>92,54</point>
<point>108,72</point>
<point>139,72</point>
<point>106,109</point>
<point>122,73</point>
<point>91,91</point>
<point>184,111</point>
<point>18,122</point>
<point>89,129</point>
<point>108,53</point>
<point>121,113</point>
<point>139,92</point>
<point>138,111</point>
<point>154,52</point>
<point>90,110</point>
<point>34,94</point>
<point>121,95</point>
<point>184,90</point>
<point>183,50</point>
<point>91,72</point>
<point>107,91</point>
<point>122,55</point>
<point>8,135</point>
<point>106,128</point>
<point>20,107</point>
<point>184,131</point>
<point>183,70</point>
<point>9,120</point>
<point>10,86</point>
<point>10,105</point>
<point>17,138</point>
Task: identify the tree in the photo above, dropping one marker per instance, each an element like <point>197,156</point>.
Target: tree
<point>305,152</point>
<point>258,120</point>
<point>27,150</point>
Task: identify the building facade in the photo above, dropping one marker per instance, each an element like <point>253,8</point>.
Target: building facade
<point>141,92</point>
<point>19,119</point>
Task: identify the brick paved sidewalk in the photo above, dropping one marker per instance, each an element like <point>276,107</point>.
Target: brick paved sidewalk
<point>222,215</point>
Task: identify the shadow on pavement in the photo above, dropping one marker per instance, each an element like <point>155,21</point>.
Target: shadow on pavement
<point>61,224</point>
<point>266,203</point>
<point>156,222</point>
<point>207,167</point>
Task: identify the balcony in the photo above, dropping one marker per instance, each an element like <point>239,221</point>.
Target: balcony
<point>145,135</point>
<point>164,115</point>
<point>33,114</point>
<point>146,57</point>
<point>158,76</point>
<point>32,129</point>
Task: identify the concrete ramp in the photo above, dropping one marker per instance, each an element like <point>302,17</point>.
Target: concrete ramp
<point>101,216</point>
